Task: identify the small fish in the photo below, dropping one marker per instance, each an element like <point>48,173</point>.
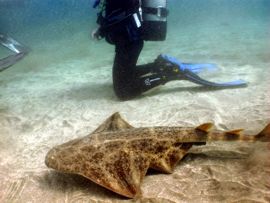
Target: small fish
<point>117,155</point>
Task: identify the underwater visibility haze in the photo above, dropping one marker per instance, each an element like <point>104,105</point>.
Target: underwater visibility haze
<point>62,90</point>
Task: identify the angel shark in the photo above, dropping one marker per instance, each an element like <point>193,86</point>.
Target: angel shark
<point>117,155</point>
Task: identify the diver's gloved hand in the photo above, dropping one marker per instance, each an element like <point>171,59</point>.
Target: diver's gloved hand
<point>193,67</point>
<point>96,34</point>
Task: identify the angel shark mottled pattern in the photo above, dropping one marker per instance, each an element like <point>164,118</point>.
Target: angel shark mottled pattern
<point>117,155</point>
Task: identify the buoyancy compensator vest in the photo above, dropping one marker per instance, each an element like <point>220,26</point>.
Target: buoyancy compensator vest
<point>117,20</point>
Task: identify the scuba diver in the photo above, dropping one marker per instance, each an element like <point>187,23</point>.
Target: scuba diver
<point>127,24</point>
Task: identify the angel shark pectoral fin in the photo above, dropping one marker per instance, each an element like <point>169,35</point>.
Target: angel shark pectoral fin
<point>122,173</point>
<point>113,123</point>
<point>130,170</point>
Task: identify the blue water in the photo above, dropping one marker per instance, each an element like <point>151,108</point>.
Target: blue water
<point>16,14</point>
<point>222,25</point>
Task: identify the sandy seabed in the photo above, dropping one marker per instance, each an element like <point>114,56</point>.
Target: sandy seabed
<point>63,90</point>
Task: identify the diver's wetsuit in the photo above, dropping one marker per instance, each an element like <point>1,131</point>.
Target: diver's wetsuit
<point>128,79</point>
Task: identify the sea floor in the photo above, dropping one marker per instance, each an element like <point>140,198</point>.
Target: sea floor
<point>63,90</point>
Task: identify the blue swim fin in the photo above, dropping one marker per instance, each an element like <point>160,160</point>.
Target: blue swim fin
<point>188,75</point>
<point>189,72</point>
<point>193,67</point>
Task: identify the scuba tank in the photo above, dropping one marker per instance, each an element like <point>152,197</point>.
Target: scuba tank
<point>154,19</point>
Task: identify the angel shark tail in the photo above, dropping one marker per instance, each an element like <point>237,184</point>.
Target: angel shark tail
<point>205,134</point>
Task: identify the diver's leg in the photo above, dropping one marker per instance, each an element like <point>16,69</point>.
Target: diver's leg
<point>128,79</point>
<point>124,74</point>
